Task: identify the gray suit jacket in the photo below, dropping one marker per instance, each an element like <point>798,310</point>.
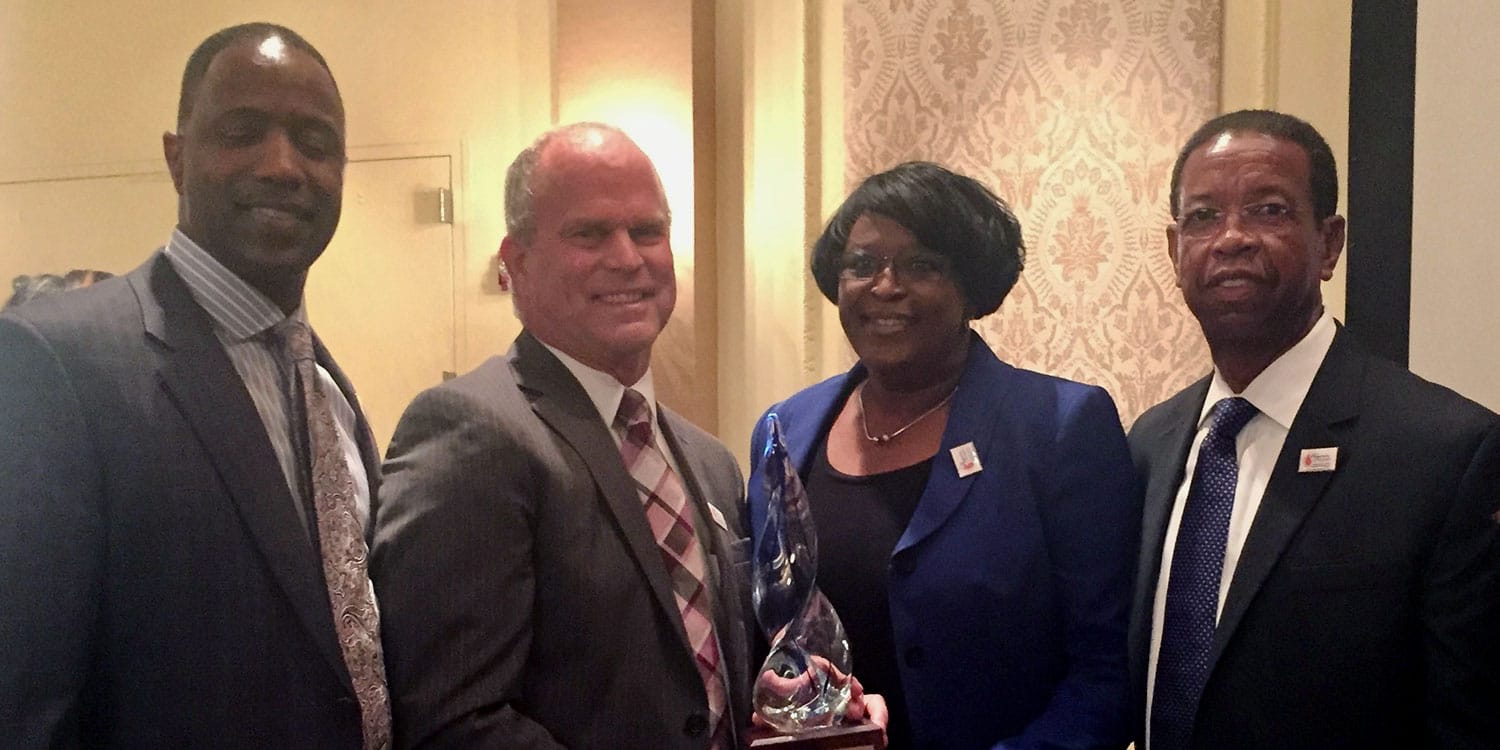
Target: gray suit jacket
<point>525,603</point>
<point>157,588</point>
<point>1365,609</point>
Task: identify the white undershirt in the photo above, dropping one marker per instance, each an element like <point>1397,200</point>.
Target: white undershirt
<point>1277,394</point>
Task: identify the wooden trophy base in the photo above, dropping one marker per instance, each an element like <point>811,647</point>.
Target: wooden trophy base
<point>864,736</point>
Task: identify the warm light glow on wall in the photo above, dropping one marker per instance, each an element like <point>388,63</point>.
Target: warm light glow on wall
<point>651,113</point>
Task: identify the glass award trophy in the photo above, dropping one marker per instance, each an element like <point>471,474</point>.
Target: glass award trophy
<point>803,688</point>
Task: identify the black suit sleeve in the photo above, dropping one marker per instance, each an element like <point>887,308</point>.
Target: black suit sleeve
<point>51,544</point>
<point>453,570</point>
<point>1461,610</point>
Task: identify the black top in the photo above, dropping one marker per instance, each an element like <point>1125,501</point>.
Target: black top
<point>859,520</point>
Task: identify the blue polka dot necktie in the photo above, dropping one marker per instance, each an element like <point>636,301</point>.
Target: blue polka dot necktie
<point>1193,584</point>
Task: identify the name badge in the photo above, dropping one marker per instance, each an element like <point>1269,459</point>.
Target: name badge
<point>966,460</point>
<point>1315,460</point>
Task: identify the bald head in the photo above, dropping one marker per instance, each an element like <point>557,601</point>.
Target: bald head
<point>589,247</point>
<point>526,174</point>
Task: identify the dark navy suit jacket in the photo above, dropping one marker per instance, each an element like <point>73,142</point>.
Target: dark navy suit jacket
<point>1010,589</point>
<point>157,588</point>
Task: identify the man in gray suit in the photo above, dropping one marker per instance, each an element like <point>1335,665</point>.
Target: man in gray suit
<point>537,590</point>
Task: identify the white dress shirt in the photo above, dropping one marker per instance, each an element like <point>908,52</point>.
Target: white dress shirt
<point>1277,394</point>
<point>606,392</point>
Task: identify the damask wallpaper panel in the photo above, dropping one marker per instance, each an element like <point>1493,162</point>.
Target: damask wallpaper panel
<point>1071,110</point>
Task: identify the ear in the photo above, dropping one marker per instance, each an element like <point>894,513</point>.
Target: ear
<point>1332,235</point>
<point>1172,254</point>
<point>171,147</point>
<point>513,255</point>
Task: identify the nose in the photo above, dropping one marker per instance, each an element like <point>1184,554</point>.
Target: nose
<point>621,251</point>
<point>279,159</point>
<point>1236,236</point>
<point>886,281</point>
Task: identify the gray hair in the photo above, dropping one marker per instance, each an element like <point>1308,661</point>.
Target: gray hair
<point>520,178</point>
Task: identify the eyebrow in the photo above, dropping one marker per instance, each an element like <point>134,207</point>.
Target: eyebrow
<point>1253,194</point>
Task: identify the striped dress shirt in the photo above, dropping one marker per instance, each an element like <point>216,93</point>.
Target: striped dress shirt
<point>244,321</point>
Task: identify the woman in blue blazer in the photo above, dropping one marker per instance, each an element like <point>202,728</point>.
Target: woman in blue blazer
<point>977,523</point>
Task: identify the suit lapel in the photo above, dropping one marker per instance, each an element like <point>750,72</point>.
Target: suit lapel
<point>729,619</point>
<point>1167,469</point>
<point>201,380</point>
<point>982,390</point>
<point>1323,421</point>
<point>563,404</point>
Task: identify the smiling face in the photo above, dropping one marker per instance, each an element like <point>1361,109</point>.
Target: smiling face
<point>259,164</point>
<point>1253,277</point>
<point>904,330</point>
<point>594,277</point>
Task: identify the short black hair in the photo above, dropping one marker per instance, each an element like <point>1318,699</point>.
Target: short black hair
<point>1323,173</point>
<point>203,56</point>
<point>950,214</point>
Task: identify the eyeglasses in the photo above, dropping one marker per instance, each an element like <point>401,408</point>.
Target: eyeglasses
<point>1206,221</point>
<point>916,268</point>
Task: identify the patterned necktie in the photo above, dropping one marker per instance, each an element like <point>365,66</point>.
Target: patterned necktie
<point>1193,585</point>
<point>342,543</point>
<point>670,516</point>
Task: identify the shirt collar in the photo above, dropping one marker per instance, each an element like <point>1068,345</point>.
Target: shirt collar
<point>603,389</point>
<point>238,310</point>
<point>1278,391</point>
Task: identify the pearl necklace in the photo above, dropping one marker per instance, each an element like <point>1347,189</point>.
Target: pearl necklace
<point>882,439</point>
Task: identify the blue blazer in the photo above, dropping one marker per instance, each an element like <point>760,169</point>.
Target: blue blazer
<point>1010,588</point>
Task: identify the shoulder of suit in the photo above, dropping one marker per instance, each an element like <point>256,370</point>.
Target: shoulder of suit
<point>89,323</point>
<point>685,431</point>
<point>488,389</point>
<point>1162,414</point>
<point>1427,407</point>
<point>483,380</point>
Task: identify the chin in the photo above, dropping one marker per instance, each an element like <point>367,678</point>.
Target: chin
<point>633,338</point>
<point>885,356</point>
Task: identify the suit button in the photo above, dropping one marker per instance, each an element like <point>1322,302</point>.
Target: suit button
<point>695,725</point>
<point>914,657</point>
<point>904,565</point>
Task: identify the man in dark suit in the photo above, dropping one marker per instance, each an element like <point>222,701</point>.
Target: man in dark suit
<point>528,601</point>
<point>1321,556</point>
<point>164,542</point>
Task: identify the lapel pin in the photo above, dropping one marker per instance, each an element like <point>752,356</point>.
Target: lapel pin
<point>966,459</point>
<point>718,517</point>
<point>1315,460</point>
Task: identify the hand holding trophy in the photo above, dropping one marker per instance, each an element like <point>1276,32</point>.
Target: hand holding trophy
<point>804,687</point>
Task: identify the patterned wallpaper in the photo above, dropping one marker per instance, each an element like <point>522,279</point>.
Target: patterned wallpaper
<point>1072,110</point>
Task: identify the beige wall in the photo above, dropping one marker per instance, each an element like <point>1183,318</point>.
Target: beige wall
<point>632,64</point>
<point>779,90</point>
<point>88,87</point>
<point>1293,56</point>
<point>1455,271</point>
<point>739,101</point>
<point>1073,113</point>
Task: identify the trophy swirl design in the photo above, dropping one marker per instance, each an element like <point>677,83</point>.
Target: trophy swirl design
<point>805,681</point>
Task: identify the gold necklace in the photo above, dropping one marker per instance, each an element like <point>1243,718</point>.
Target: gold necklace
<point>882,439</point>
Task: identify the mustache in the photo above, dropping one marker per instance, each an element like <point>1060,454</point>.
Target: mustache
<point>301,202</point>
<point>1251,273</point>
